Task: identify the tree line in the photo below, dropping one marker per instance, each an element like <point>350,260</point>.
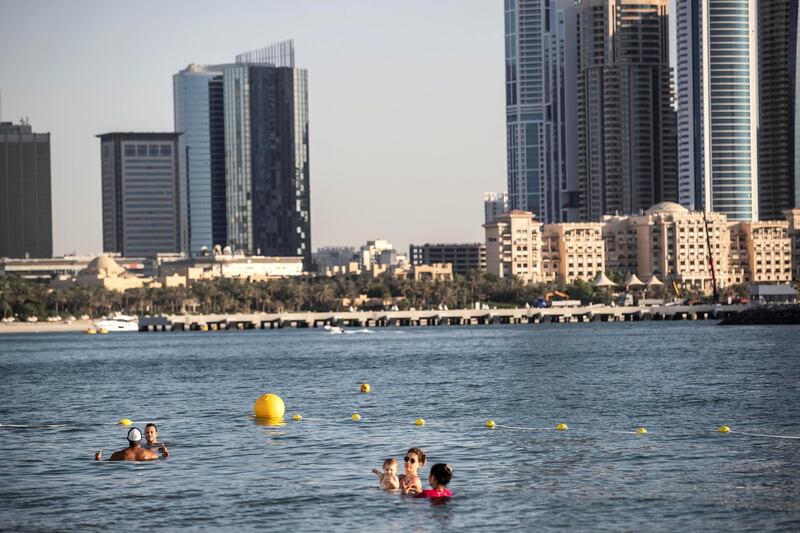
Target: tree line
<point>23,298</point>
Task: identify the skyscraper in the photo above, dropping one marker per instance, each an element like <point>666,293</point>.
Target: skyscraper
<point>627,140</point>
<point>267,154</point>
<point>560,197</point>
<point>198,104</point>
<point>26,228</point>
<point>141,193</point>
<point>718,106</point>
<point>778,146</point>
<point>524,28</point>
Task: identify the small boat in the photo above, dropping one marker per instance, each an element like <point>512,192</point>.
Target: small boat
<point>91,331</point>
<point>334,330</point>
<point>116,323</point>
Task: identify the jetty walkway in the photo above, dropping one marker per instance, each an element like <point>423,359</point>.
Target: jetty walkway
<point>454,317</point>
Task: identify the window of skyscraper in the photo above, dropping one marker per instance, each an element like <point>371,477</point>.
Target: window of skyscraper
<point>166,150</point>
<point>130,150</point>
<point>141,150</point>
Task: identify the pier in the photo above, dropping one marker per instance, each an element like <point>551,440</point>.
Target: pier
<point>454,317</point>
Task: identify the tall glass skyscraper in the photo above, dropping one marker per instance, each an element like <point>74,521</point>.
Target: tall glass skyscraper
<point>626,124</point>
<point>198,104</point>
<point>718,106</point>
<point>541,130</point>
<point>267,154</point>
<point>778,146</point>
<point>524,28</point>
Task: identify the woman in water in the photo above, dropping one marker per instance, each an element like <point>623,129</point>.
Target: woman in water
<point>410,483</point>
<point>439,478</point>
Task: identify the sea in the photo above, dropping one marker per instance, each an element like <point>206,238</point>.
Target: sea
<point>62,395</point>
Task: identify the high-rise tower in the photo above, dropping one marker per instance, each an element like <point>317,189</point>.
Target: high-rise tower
<point>718,106</point>
<point>26,227</point>
<point>267,154</point>
<point>778,146</point>
<point>198,104</point>
<point>626,124</point>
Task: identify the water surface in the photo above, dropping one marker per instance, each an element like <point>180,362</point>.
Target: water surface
<point>679,380</point>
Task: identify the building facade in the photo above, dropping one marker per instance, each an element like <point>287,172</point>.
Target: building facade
<point>626,125</point>
<point>465,258</point>
<point>494,205</point>
<point>199,117</point>
<point>267,148</point>
<point>26,224</point>
<point>778,147</point>
<point>667,241</point>
<point>141,194</point>
<point>718,107</point>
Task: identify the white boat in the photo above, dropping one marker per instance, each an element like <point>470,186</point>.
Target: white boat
<point>118,322</point>
<point>334,330</point>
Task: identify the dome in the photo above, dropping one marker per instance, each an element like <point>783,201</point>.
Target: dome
<point>666,207</point>
<point>104,266</point>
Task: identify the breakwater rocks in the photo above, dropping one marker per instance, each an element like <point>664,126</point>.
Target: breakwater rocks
<point>765,315</point>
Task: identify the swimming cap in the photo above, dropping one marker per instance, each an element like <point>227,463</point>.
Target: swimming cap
<point>134,435</point>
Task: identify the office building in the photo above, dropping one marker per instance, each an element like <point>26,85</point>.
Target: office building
<point>718,107</point>
<point>494,205</point>
<point>26,227</point>
<point>267,154</point>
<point>199,117</point>
<point>626,124</point>
<point>465,258</point>
<point>778,146</point>
<point>560,196</point>
<point>141,193</point>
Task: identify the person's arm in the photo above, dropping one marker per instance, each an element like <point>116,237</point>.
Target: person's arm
<point>99,455</point>
<point>410,487</point>
<point>164,451</point>
<point>393,483</point>
<point>378,473</point>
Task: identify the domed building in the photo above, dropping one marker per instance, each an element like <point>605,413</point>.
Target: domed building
<point>104,272</point>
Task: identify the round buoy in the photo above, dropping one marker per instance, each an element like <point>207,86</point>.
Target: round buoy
<point>297,417</point>
<point>365,387</point>
<point>724,429</point>
<point>420,421</point>
<point>562,427</point>
<point>125,422</point>
<point>641,431</point>
<point>490,424</point>
<point>269,406</point>
<point>356,417</point>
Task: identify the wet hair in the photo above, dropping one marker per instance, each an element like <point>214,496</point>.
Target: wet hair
<point>150,424</point>
<point>420,455</point>
<point>441,473</point>
<point>390,461</point>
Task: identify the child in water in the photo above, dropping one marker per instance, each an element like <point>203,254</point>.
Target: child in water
<point>388,478</point>
<point>439,478</point>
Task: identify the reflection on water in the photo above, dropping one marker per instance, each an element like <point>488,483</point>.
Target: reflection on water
<point>62,395</point>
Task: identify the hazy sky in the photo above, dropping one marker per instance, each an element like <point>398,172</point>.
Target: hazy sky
<point>406,101</point>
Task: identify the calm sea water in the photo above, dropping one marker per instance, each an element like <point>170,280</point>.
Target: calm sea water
<point>679,380</point>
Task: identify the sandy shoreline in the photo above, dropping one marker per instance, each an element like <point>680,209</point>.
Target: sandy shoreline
<point>45,327</point>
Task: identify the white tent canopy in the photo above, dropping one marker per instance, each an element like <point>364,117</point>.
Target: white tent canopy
<point>602,281</point>
<point>654,282</point>
<point>633,281</point>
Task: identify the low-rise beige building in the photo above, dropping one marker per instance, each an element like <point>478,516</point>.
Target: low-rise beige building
<point>514,246</point>
<point>667,241</point>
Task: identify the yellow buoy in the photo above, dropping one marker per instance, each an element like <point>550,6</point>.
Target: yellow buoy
<point>420,421</point>
<point>269,406</point>
<point>562,427</point>
<point>102,331</point>
<point>356,417</point>
<point>724,429</point>
<point>365,387</point>
<point>91,331</point>
<point>297,417</point>
<point>125,422</point>
<point>490,424</point>
<point>203,327</point>
<point>641,431</point>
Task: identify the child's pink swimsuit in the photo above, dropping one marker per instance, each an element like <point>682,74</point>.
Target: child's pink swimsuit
<point>433,493</point>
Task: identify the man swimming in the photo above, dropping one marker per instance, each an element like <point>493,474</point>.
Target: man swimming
<point>134,451</point>
<point>151,436</point>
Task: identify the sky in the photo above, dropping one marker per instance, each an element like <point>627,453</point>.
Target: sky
<point>406,101</point>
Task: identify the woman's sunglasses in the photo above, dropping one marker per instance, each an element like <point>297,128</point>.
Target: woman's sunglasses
<point>408,459</point>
